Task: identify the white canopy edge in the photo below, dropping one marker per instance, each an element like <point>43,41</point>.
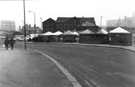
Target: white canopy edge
<point>48,33</point>
<point>68,33</point>
<point>57,33</point>
<point>102,31</point>
<point>119,30</point>
<point>87,31</point>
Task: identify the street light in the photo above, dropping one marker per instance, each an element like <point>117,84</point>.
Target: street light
<point>34,21</point>
<point>41,24</point>
<point>10,27</point>
<point>101,21</point>
<point>24,25</point>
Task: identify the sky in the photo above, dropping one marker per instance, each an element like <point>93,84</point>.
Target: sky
<point>108,9</point>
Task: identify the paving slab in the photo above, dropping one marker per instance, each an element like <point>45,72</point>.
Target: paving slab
<point>26,68</point>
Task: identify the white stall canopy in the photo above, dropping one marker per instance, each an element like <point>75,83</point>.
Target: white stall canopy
<point>68,32</point>
<point>102,31</point>
<point>48,33</point>
<point>75,33</point>
<point>87,31</point>
<point>57,33</point>
<point>119,30</point>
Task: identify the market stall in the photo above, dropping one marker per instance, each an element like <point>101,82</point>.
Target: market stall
<point>45,37</point>
<point>102,37</point>
<point>120,36</point>
<point>55,37</point>
<point>68,36</point>
<point>87,36</point>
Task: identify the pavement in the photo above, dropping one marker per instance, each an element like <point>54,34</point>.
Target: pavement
<point>31,68</point>
<point>28,68</point>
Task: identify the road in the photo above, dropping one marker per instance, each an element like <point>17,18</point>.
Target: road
<point>93,66</point>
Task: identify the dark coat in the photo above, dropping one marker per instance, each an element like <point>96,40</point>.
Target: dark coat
<point>11,41</point>
<point>6,42</point>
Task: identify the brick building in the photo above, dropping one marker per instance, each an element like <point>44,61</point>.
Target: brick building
<point>49,25</point>
<point>31,30</point>
<point>70,23</point>
<point>75,24</point>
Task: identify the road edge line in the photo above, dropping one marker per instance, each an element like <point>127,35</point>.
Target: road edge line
<point>71,79</point>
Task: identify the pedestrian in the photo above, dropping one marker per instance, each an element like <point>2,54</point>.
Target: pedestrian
<point>12,42</point>
<point>6,43</point>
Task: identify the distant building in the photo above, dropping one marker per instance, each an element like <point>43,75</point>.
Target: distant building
<point>127,23</point>
<point>49,25</point>
<point>19,28</point>
<point>31,30</point>
<point>76,24</point>
<point>7,25</point>
<point>70,23</point>
<point>2,33</point>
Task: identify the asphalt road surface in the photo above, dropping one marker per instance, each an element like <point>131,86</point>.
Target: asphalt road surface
<point>92,66</point>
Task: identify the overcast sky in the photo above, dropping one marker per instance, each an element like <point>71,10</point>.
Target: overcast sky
<point>109,9</point>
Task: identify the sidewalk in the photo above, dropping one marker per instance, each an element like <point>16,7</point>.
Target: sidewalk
<point>26,68</point>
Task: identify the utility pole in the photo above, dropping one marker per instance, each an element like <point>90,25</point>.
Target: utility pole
<point>101,21</point>
<point>10,28</point>
<point>34,21</point>
<point>24,25</point>
<point>125,22</point>
<point>41,24</point>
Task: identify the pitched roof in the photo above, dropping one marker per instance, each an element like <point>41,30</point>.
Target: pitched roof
<point>89,19</point>
<point>63,19</point>
<point>87,31</point>
<point>57,33</point>
<point>119,30</point>
<point>82,19</point>
<point>86,23</point>
<point>102,31</point>
<point>75,33</point>
<point>48,33</point>
<point>68,32</point>
<point>49,19</point>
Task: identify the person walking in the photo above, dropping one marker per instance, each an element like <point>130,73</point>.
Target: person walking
<point>12,42</point>
<point>6,43</point>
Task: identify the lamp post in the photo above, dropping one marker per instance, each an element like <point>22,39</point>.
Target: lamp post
<point>41,24</point>
<point>24,25</point>
<point>34,21</point>
<point>101,21</point>
<point>10,27</point>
